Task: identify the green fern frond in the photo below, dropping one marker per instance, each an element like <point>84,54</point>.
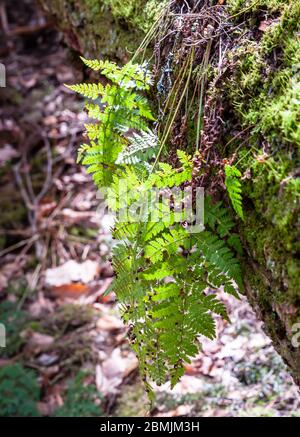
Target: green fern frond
<point>90,90</point>
<point>97,64</point>
<point>235,242</point>
<point>155,228</point>
<point>220,256</point>
<point>234,188</point>
<point>217,218</point>
<point>162,273</point>
<point>142,147</point>
<point>81,152</point>
<point>129,76</point>
<point>168,242</point>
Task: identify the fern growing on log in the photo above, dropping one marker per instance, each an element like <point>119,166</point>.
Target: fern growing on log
<point>166,278</point>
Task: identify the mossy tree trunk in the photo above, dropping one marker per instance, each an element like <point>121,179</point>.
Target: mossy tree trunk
<point>270,233</point>
<point>101,28</point>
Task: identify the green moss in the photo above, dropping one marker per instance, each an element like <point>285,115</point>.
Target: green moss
<point>265,88</point>
<point>139,13</point>
<point>285,27</point>
<point>104,28</point>
<point>132,402</point>
<point>13,211</point>
<point>263,96</point>
<point>19,392</point>
<point>95,7</point>
<point>274,191</point>
<point>238,6</point>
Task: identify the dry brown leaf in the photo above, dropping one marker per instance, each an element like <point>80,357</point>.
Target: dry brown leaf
<point>109,323</point>
<point>107,270</point>
<point>265,24</point>
<point>5,362</point>
<point>47,360</point>
<point>41,340</point>
<point>9,271</point>
<point>49,120</point>
<point>45,209</point>
<point>3,282</point>
<point>45,408</point>
<point>206,365</point>
<point>72,271</point>
<point>7,153</point>
<point>74,290</point>
<point>181,410</point>
<point>40,305</point>
<point>97,293</point>
<point>107,298</point>
<point>53,399</point>
<point>72,217</point>
<point>49,372</point>
<point>36,342</point>
<point>190,369</point>
<point>112,372</point>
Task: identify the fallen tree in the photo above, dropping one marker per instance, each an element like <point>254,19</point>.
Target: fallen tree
<point>243,93</point>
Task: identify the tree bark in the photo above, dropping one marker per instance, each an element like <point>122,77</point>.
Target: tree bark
<point>271,264</point>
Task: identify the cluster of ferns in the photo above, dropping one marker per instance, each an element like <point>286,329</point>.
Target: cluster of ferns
<point>166,278</point>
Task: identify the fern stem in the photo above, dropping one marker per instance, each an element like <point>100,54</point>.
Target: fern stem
<point>176,86</point>
<point>149,36</point>
<point>203,80</point>
<point>163,142</point>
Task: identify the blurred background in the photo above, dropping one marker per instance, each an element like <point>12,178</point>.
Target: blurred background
<point>66,352</point>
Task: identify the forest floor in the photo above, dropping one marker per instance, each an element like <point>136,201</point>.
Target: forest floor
<point>62,332</point>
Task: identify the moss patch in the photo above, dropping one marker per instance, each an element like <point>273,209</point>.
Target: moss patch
<point>104,28</point>
<point>140,14</point>
<point>263,96</point>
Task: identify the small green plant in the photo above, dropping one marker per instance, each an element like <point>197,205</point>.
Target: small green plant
<point>80,399</point>
<point>163,271</point>
<point>19,392</point>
